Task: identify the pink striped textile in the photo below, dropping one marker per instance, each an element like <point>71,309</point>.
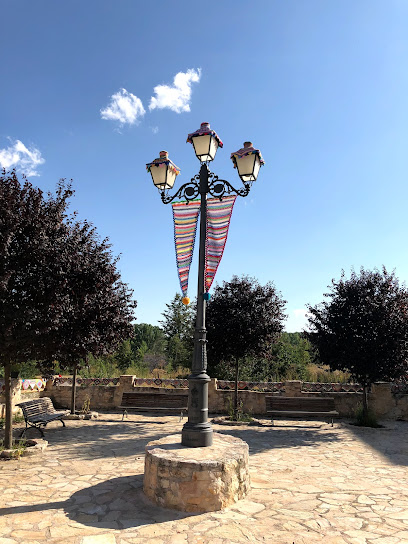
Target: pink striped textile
<point>218,220</point>
<point>185,216</point>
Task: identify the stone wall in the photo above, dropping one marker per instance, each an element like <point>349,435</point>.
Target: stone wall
<point>385,402</point>
<point>100,397</point>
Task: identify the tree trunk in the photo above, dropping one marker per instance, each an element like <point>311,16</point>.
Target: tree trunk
<point>236,390</point>
<point>8,427</point>
<point>365,400</point>
<point>73,390</point>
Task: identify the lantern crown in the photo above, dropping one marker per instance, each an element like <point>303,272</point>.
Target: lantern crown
<point>163,171</point>
<point>163,160</point>
<point>205,130</point>
<point>248,162</point>
<point>248,149</point>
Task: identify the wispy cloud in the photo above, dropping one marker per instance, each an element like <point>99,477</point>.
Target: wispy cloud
<point>20,157</point>
<point>124,107</point>
<point>176,97</point>
<point>155,130</point>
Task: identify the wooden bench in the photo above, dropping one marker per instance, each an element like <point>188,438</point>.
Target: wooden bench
<point>151,402</point>
<point>40,412</point>
<point>301,407</point>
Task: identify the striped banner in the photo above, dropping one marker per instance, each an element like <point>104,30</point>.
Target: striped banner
<point>218,220</point>
<point>185,218</point>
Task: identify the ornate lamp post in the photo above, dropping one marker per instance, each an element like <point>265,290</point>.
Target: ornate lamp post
<point>197,432</point>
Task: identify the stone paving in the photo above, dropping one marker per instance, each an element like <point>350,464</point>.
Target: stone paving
<point>311,483</point>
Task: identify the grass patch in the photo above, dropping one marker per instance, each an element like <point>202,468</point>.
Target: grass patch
<point>241,416</point>
<point>17,418</point>
<point>365,420</point>
<point>18,447</point>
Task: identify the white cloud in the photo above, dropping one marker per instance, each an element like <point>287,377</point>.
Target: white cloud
<point>124,107</point>
<point>20,157</point>
<point>155,130</point>
<point>297,320</point>
<point>176,97</point>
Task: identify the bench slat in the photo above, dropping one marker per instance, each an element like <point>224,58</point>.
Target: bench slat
<point>149,401</point>
<point>300,406</point>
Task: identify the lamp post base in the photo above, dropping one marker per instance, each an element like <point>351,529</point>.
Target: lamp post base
<point>197,435</point>
<point>197,431</point>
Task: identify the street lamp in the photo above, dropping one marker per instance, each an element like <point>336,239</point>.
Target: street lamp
<point>197,431</point>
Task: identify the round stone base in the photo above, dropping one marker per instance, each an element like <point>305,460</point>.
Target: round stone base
<point>196,479</point>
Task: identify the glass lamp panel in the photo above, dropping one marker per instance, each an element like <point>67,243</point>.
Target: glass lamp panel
<point>213,149</point>
<point>245,167</point>
<point>159,176</point>
<point>204,147</point>
<point>171,178</point>
<point>257,166</point>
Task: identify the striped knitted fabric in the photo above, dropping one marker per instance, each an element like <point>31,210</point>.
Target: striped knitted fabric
<point>185,226</point>
<point>218,220</point>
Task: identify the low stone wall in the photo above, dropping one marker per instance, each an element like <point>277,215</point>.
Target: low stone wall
<point>387,402</point>
<point>100,397</point>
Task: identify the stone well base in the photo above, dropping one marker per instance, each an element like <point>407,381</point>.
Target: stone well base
<point>196,479</point>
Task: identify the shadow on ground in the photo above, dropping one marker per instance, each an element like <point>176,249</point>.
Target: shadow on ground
<point>103,438</point>
<point>390,441</point>
<point>275,437</point>
<point>118,503</point>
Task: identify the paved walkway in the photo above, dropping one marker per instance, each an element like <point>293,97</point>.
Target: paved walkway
<point>311,483</point>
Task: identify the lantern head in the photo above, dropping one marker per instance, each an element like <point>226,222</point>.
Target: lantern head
<point>163,171</point>
<point>248,161</point>
<point>205,142</point>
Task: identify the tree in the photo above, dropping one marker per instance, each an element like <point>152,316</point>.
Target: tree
<point>60,292</point>
<point>31,274</point>
<point>363,327</point>
<point>243,319</point>
<point>147,340</point>
<point>178,329</point>
<point>98,318</point>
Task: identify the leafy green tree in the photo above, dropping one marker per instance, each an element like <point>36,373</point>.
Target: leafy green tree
<point>291,355</point>
<point>178,330</point>
<point>147,339</point>
<point>362,327</point>
<point>243,319</point>
<point>124,357</point>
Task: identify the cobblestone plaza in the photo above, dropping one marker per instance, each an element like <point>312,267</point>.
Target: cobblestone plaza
<point>310,483</point>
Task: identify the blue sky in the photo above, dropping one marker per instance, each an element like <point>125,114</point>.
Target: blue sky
<point>320,87</point>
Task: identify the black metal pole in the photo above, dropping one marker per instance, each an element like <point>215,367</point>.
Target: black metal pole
<point>197,432</point>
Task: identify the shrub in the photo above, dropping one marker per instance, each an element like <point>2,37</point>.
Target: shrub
<point>365,419</point>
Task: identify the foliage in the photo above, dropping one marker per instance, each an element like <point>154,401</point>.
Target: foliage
<point>244,319</point>
<point>148,342</point>
<point>86,406</point>
<point>60,291</point>
<point>101,308</point>
<point>18,447</point>
<point>322,374</point>
<point>363,327</point>
<point>239,414</point>
<point>365,418</point>
<point>17,418</point>
<point>100,367</point>
<point>124,357</point>
<point>177,325</point>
